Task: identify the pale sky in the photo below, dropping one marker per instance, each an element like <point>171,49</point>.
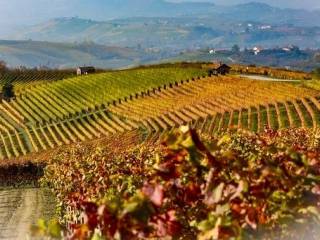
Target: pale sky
<point>32,11</point>
<point>309,4</point>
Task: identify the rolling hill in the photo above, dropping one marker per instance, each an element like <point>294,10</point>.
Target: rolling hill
<point>66,55</point>
<point>103,10</point>
<point>151,101</point>
<point>175,27</point>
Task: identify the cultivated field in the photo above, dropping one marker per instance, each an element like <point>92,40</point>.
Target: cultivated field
<point>25,78</point>
<point>48,115</point>
<point>97,139</point>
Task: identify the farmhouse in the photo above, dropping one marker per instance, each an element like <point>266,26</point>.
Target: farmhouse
<point>222,69</point>
<point>85,70</point>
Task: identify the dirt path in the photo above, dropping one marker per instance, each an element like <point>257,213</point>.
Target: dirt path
<point>265,78</point>
<point>19,208</point>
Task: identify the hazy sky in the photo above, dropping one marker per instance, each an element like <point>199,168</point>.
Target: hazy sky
<point>309,4</point>
<point>20,11</point>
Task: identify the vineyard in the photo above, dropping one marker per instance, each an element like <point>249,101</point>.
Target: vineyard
<point>22,79</point>
<point>230,186</point>
<point>47,115</point>
<point>167,152</point>
<point>314,84</point>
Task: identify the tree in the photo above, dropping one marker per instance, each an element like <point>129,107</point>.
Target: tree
<point>235,48</point>
<point>3,66</point>
<point>8,91</point>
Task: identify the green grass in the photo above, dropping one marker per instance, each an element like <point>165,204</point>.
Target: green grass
<point>254,120</point>
<point>273,117</point>
<point>306,114</point>
<point>295,116</point>
<point>226,119</point>
<point>283,116</point>
<point>235,118</point>
<point>315,110</point>
<point>244,119</point>
<point>263,117</point>
<point>216,122</point>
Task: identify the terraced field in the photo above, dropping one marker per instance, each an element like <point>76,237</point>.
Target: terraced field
<point>22,79</point>
<point>219,103</point>
<point>46,116</point>
<point>314,84</point>
<point>62,112</point>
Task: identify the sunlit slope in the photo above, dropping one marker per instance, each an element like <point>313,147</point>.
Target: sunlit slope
<point>152,101</point>
<point>61,99</point>
<point>228,102</point>
<point>314,84</point>
<point>54,114</point>
<point>22,79</point>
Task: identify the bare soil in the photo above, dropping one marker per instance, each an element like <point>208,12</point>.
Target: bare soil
<point>22,207</point>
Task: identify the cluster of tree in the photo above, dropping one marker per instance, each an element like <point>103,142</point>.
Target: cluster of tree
<point>3,66</point>
<point>7,89</point>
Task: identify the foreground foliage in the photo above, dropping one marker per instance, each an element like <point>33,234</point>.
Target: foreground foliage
<point>236,186</point>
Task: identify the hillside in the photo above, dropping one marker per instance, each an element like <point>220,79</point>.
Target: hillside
<point>67,55</point>
<point>123,40</point>
<point>111,9</point>
<point>25,120</point>
<point>187,32</point>
<point>95,142</point>
<point>70,42</point>
<point>151,100</point>
<point>299,59</point>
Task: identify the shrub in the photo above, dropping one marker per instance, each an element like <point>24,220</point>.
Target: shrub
<point>8,91</point>
<point>236,186</point>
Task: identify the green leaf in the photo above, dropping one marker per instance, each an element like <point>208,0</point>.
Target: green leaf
<point>131,207</point>
<point>225,139</point>
<point>54,229</point>
<point>187,143</point>
<point>41,224</point>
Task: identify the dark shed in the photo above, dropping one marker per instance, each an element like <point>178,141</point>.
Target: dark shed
<point>85,70</point>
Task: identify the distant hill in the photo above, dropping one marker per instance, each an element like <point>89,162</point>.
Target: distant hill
<point>151,30</point>
<point>64,55</point>
<point>70,55</point>
<point>261,12</point>
<point>103,10</point>
<point>176,34</point>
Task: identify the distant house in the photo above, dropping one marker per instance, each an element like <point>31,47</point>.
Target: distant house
<point>85,70</point>
<point>222,69</point>
<point>257,50</point>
